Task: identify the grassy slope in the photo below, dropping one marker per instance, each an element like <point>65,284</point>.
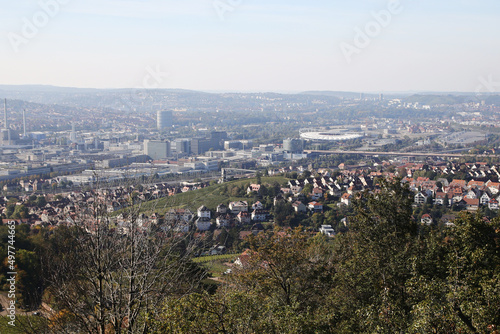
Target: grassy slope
<point>210,196</point>
<point>5,328</point>
<point>215,264</point>
<point>210,258</point>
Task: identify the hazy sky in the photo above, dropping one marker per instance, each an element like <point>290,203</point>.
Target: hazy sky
<point>253,45</point>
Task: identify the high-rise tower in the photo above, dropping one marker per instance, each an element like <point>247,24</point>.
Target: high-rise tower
<point>5,125</point>
<point>24,123</point>
<point>164,119</point>
<point>6,131</point>
<point>72,136</point>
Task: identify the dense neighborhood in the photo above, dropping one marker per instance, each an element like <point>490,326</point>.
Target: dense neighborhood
<point>452,186</point>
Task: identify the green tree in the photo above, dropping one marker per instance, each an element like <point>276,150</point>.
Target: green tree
<point>283,213</point>
<point>20,212</point>
<point>281,289</point>
<point>374,263</point>
<point>308,188</point>
<point>456,282</point>
<point>29,278</point>
<point>41,201</point>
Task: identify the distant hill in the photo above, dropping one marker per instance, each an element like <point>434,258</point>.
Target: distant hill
<point>340,95</point>
<point>430,99</point>
<point>494,99</point>
<point>356,95</point>
<point>45,88</point>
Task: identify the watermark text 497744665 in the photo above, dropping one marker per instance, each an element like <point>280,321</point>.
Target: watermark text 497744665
<point>11,274</point>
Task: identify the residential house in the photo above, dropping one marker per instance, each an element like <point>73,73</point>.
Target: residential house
<point>244,217</point>
<point>327,230</point>
<point>315,206</point>
<point>426,219</point>
<point>175,215</point>
<point>237,207</point>
<point>472,193</point>
<point>448,220</point>
<point>420,198</point>
<point>484,199</point>
<point>296,189</point>
<point>471,204</point>
<point>259,215</point>
<point>442,197</point>
<point>458,183</point>
<point>346,199</point>
<point>253,188</point>
<point>182,227</point>
<point>493,204</point>
<point>243,260</point>
<point>223,220</point>
<point>257,228</point>
<point>204,212</point>
<point>475,184</point>
<point>203,223</point>
<point>298,206</point>
<point>316,194</point>
<point>221,208</point>
<point>257,206</point>
<point>494,187</point>
<point>286,191</point>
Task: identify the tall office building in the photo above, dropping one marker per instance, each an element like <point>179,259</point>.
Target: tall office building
<point>157,149</point>
<point>72,136</point>
<point>6,133</point>
<point>182,146</point>
<point>214,140</point>
<point>200,145</point>
<point>217,139</point>
<point>164,119</point>
<point>293,145</point>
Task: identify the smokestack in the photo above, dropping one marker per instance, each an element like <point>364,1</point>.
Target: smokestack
<point>5,114</point>
<point>5,120</point>
<point>24,123</point>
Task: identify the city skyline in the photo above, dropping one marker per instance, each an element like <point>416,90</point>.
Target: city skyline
<point>223,45</point>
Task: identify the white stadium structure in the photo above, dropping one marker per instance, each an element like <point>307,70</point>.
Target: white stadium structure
<point>330,135</point>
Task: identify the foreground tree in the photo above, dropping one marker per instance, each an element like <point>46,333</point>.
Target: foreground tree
<point>374,263</point>
<point>456,279</point>
<point>108,275</point>
<point>281,288</point>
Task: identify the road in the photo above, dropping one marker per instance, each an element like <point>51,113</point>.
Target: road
<point>402,154</point>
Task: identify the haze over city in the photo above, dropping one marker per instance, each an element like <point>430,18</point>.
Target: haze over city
<point>281,46</point>
<point>249,166</point>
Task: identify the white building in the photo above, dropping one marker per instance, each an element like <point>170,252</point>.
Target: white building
<point>327,230</point>
<point>204,212</point>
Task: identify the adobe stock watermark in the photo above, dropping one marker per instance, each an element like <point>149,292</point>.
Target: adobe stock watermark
<point>372,29</point>
<point>31,27</point>
<point>224,6</point>
<point>152,79</point>
<point>487,85</point>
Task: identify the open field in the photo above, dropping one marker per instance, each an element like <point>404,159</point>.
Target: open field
<point>215,264</point>
<point>210,258</point>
